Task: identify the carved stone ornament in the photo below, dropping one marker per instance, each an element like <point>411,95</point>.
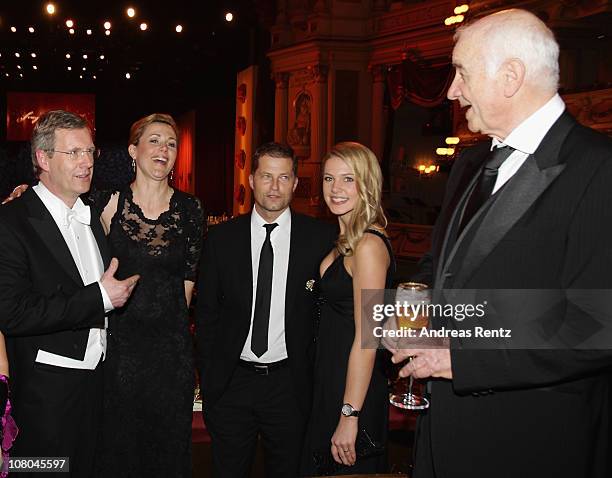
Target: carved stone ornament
<point>299,134</point>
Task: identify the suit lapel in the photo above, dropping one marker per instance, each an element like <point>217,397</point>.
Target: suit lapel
<point>296,245</point>
<point>44,225</point>
<point>244,262</point>
<point>101,239</point>
<point>460,195</point>
<point>536,174</point>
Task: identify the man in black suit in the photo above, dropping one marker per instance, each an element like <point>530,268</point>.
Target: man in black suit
<point>255,322</point>
<point>54,296</point>
<point>527,218</point>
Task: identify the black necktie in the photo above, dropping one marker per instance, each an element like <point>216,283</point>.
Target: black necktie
<point>261,316</point>
<point>485,184</point>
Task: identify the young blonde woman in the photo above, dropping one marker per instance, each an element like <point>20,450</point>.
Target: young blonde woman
<point>350,395</point>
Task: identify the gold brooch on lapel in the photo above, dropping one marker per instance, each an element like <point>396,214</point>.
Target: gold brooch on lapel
<point>310,285</point>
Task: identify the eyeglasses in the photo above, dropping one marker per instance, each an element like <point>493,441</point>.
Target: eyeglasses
<point>93,153</point>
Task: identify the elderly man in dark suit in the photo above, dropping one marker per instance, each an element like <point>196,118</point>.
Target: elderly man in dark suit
<point>54,296</point>
<point>255,322</point>
<point>529,210</point>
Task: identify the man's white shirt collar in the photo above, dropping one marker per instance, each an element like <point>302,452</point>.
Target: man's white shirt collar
<point>58,208</point>
<point>283,220</point>
<point>528,135</point>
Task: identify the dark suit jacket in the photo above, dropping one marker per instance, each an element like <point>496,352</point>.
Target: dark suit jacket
<point>526,412</point>
<point>225,288</point>
<point>43,302</point>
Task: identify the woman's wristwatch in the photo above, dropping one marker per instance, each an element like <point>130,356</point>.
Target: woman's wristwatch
<point>349,411</point>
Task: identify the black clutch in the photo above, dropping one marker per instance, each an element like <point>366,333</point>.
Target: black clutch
<point>365,447</point>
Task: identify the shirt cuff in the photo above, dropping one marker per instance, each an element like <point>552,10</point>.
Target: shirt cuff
<point>108,305</point>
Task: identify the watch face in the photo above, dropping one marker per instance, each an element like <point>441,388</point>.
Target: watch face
<point>347,410</point>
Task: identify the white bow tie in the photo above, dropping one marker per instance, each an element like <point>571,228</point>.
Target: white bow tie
<point>81,214</point>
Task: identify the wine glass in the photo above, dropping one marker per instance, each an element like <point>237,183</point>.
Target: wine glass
<point>409,293</point>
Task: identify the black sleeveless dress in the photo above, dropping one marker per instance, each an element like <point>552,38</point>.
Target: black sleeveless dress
<point>149,372</point>
<point>334,342</point>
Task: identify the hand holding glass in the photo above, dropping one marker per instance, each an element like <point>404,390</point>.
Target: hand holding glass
<point>409,293</point>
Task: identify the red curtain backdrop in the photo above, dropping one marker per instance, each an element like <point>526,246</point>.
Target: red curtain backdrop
<point>183,177</point>
<point>24,109</point>
<point>422,85</point>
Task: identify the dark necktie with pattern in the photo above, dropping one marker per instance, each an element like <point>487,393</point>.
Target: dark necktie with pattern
<point>485,184</point>
<point>261,316</point>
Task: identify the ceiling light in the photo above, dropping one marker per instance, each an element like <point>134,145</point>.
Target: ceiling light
<point>101,57</point>
<point>31,29</point>
<point>19,67</point>
<point>34,67</point>
<point>21,75</point>
<point>17,54</point>
<point>89,31</point>
<point>69,23</point>
<point>229,16</point>
<point>143,26</point>
<point>50,8</point>
<point>107,32</point>
<point>128,76</point>
<point>33,55</point>
<point>107,25</point>
<point>71,31</point>
<point>179,28</point>
<point>84,57</point>
<point>84,68</point>
<point>13,29</point>
<point>94,77</point>
<point>67,55</point>
<point>81,77</point>
<point>69,68</point>
<point>130,12</point>
<point>6,74</point>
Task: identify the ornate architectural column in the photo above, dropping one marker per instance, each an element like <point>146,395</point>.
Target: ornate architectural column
<point>378,115</point>
<point>319,113</point>
<point>280,107</point>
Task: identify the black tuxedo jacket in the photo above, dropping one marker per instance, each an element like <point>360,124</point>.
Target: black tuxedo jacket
<point>43,301</point>
<point>225,298</point>
<point>526,412</point>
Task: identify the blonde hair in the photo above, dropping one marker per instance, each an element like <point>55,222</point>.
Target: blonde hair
<point>368,178</point>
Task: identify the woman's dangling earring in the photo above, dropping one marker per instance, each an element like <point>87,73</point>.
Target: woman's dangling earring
<point>134,165</point>
<point>171,174</point>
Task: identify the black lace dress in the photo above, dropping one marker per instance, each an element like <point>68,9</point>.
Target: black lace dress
<point>149,372</point>
<point>334,342</point>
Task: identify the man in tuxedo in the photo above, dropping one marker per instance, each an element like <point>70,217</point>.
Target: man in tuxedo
<point>255,322</point>
<point>527,217</point>
<point>54,296</point>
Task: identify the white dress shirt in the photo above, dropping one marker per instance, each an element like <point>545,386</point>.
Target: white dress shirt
<point>280,237</point>
<point>526,138</point>
<point>84,250</point>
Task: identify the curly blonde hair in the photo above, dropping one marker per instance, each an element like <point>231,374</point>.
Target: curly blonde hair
<point>368,178</point>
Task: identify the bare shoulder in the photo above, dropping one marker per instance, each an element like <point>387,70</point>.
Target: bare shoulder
<point>371,244</point>
<point>109,211</point>
<point>371,254</point>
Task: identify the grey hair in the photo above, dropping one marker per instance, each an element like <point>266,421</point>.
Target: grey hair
<point>519,34</point>
<point>43,136</point>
